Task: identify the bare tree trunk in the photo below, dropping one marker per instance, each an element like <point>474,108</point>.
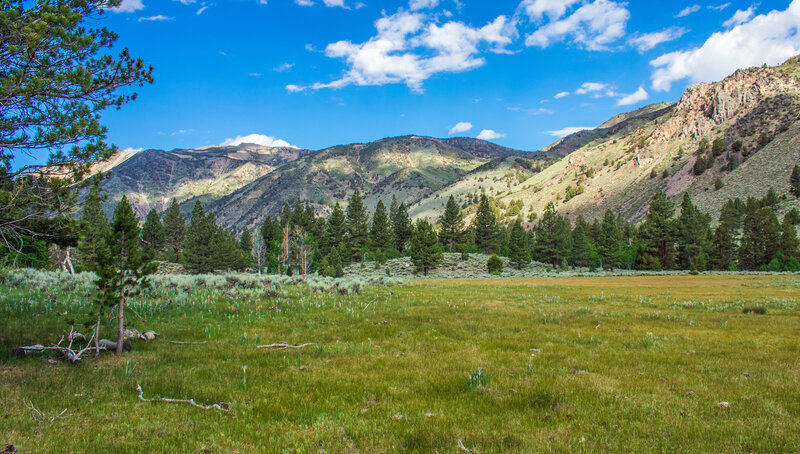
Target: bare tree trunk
<point>97,331</point>
<point>68,260</point>
<point>120,325</point>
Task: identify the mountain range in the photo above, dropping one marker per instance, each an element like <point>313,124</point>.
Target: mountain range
<point>743,130</point>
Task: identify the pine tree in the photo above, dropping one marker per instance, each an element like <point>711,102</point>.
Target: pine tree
<point>174,231</point>
<point>553,238</point>
<point>771,199</point>
<point>198,253</point>
<point>124,266</point>
<point>153,234</point>
<point>485,226</point>
<point>451,230</point>
<point>518,254</point>
<point>424,247</point>
<point>693,231</point>
<point>657,235</point>
<point>357,226</point>
<point>794,181</point>
<point>226,253</point>
<point>381,233</point>
<point>336,228</point>
<point>724,244</point>
<point>609,241</point>
<point>246,245</point>
<point>789,244</point>
<point>93,227</point>
<point>581,246</point>
<point>402,228</point>
<point>760,236</point>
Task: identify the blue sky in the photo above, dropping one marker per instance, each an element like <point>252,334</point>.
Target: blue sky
<point>317,73</point>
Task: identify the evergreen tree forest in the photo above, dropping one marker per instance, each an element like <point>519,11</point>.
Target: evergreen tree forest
<point>749,236</point>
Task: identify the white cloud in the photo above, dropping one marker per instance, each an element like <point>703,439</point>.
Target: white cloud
<point>634,98</point>
<point>719,7</point>
<point>415,5</point>
<point>284,67</point>
<point>648,41</point>
<point>411,47</point>
<point>488,134</point>
<point>201,9</point>
<point>767,38</point>
<point>334,3</point>
<point>128,6</point>
<point>460,127</point>
<point>156,18</point>
<point>292,88</point>
<point>568,131</point>
<point>132,150</point>
<point>553,9</point>
<point>304,2</point>
<point>563,94</point>
<point>593,87</point>
<point>254,74</point>
<point>258,139</point>
<point>688,10</point>
<point>593,26</point>
<point>740,17</point>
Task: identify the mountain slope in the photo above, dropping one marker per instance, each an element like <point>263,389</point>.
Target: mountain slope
<point>409,168</point>
<point>621,165</point>
<point>151,178</point>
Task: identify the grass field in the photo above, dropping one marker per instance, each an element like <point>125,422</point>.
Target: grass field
<point>573,364</point>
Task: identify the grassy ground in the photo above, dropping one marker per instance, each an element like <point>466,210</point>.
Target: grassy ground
<point>626,364</point>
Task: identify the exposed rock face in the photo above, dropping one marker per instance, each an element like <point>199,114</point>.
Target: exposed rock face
<point>704,106</point>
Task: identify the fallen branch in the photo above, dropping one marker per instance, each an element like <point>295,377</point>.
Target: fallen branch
<point>222,406</point>
<point>462,447</point>
<point>284,346</point>
<point>187,343</point>
<point>38,416</point>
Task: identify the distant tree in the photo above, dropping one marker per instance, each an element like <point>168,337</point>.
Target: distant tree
<point>424,248</point>
<point>401,227</point>
<point>485,226</point>
<point>760,236</point>
<point>174,231</point>
<point>657,235</point>
<point>718,146</point>
<point>259,253</point>
<point>789,244</point>
<point>518,254</point>
<point>357,226</point>
<point>609,242</point>
<point>93,227</point>
<point>246,245</point>
<point>702,146</point>
<point>381,232</point>
<point>553,237</point>
<point>336,228</point>
<point>226,253</point>
<point>581,245</point>
<point>153,235</point>
<point>724,242</point>
<point>693,232</point>
<point>771,199</point>
<point>794,180</point>
<point>198,254</point>
<point>123,267</point>
<point>699,165</point>
<point>451,230</point>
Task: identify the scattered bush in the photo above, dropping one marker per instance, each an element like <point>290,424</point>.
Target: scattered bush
<point>494,265</point>
<point>759,310</point>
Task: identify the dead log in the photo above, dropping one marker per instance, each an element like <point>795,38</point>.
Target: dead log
<point>222,406</point>
<point>284,346</point>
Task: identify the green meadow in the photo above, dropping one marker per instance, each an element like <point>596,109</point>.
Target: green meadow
<point>666,363</point>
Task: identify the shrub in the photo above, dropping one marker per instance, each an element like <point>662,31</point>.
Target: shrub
<point>477,379</point>
<point>755,310</point>
<point>494,265</point>
<point>718,184</point>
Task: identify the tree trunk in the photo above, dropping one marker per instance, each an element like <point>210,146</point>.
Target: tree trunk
<point>120,325</point>
<point>68,260</point>
<point>97,331</point>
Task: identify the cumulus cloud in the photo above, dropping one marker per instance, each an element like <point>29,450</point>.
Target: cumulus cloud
<point>767,38</point>
<point>460,127</point>
<point>560,133</point>
<point>156,18</point>
<point>740,17</point>
<point>553,9</point>
<point>593,26</point>
<point>415,5</point>
<point>634,98</point>
<point>128,6</point>
<point>648,41</point>
<point>258,139</point>
<point>410,47</point>
<point>488,134</point>
<point>688,10</point>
